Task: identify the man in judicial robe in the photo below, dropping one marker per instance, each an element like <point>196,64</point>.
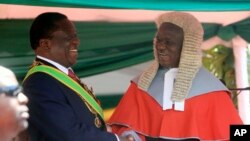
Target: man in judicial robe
<point>176,98</point>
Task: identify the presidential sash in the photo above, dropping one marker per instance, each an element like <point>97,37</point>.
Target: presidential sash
<point>70,83</point>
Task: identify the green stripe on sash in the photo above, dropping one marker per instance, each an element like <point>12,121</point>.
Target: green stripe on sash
<point>67,81</point>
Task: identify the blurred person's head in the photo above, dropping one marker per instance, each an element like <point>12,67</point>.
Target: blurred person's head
<point>14,112</point>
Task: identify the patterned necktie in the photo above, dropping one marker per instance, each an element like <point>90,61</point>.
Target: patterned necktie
<point>72,75</point>
<point>90,91</point>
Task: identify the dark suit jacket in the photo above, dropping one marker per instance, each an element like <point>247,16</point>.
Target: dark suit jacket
<point>58,114</point>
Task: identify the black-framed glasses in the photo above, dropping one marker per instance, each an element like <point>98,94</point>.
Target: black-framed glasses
<point>11,90</point>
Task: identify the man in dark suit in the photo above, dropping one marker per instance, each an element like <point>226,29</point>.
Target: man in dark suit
<point>61,107</point>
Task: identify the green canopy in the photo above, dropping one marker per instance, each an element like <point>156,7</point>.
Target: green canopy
<point>105,46</point>
<point>182,5</point>
<point>108,46</point>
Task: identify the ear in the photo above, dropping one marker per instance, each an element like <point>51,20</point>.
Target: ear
<point>44,44</point>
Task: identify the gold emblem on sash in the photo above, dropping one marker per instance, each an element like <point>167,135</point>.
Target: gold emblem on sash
<point>98,122</point>
<point>36,63</point>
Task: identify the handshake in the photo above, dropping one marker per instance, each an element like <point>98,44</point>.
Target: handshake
<point>126,135</point>
<point>126,138</point>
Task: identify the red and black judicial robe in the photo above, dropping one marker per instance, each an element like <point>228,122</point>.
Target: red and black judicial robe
<point>207,116</point>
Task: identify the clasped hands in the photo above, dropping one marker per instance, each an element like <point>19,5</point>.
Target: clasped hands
<point>124,137</point>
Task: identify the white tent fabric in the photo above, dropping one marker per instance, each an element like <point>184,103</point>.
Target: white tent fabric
<point>80,14</point>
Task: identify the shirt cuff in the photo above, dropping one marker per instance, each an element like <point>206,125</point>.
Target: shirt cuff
<point>117,137</point>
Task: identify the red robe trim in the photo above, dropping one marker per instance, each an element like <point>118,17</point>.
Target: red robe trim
<point>206,117</point>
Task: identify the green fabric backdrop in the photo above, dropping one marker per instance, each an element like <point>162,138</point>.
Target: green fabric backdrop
<point>104,46</point>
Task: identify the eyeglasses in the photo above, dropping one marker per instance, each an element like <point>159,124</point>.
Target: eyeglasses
<point>11,90</point>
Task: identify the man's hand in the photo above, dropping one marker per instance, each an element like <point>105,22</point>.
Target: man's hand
<point>127,138</point>
<point>109,129</point>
